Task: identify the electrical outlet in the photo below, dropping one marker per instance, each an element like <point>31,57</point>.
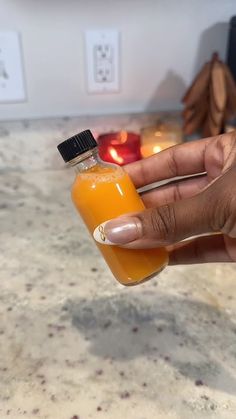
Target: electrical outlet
<point>103,63</point>
<point>12,87</point>
<point>102,54</point>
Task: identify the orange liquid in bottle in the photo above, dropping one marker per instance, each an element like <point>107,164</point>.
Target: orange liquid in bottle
<point>102,193</point>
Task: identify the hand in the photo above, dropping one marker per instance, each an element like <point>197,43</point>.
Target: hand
<point>186,208</point>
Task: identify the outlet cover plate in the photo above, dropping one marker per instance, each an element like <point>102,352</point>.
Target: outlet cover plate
<point>102,57</point>
<point>12,86</point>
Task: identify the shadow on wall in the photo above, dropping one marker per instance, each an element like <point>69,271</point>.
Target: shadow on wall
<point>196,338</point>
<point>168,94</point>
<point>212,39</point>
<point>171,89</point>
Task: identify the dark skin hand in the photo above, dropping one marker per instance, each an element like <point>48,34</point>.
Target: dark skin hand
<point>204,205</point>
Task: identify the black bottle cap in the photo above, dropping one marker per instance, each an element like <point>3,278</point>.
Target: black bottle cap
<point>76,145</point>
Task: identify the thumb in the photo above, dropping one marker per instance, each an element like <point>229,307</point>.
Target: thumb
<point>158,227</point>
<point>212,210</point>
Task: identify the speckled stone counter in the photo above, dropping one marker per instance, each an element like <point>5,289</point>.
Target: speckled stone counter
<point>73,342</point>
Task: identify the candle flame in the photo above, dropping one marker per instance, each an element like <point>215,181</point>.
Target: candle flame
<point>156,149</point>
<point>118,159</point>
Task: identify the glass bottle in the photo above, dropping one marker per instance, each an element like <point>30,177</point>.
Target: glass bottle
<point>102,191</point>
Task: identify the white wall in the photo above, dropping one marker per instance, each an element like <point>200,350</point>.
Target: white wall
<point>164,43</point>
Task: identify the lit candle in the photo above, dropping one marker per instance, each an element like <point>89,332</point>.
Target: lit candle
<point>119,147</point>
<point>157,138</point>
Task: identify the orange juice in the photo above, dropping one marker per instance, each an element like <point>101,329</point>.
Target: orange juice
<point>100,192</point>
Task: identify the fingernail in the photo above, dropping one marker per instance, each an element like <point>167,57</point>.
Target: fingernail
<point>119,231</point>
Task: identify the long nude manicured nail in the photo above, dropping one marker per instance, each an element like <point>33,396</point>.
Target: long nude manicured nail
<point>119,231</point>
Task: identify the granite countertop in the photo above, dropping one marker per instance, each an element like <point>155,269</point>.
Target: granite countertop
<point>73,342</point>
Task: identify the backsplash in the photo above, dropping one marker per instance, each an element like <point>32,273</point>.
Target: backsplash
<point>163,43</point>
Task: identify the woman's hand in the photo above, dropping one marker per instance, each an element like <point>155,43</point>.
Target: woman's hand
<point>186,208</point>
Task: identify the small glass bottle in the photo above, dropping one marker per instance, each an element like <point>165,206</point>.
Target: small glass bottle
<point>102,191</point>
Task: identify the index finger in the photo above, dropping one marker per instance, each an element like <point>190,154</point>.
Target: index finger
<point>180,160</point>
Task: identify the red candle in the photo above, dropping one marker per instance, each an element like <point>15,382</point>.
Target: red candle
<point>119,147</point>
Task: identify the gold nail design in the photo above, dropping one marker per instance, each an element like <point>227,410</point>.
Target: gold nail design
<point>102,233</point>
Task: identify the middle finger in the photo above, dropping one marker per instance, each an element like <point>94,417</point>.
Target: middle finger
<point>173,192</point>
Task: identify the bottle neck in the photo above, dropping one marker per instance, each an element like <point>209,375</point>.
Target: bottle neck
<point>85,161</point>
